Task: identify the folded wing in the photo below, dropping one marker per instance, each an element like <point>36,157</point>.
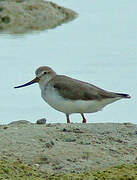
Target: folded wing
<point>74,89</point>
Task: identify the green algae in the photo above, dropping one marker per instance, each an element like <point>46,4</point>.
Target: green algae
<point>17,170</point>
<point>121,172</point>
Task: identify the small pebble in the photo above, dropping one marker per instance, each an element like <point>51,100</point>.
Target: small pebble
<point>41,121</point>
<point>64,130</point>
<point>5,127</point>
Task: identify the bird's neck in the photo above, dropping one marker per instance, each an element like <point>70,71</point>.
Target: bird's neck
<point>44,81</point>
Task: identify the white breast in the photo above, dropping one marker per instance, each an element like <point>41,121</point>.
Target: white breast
<point>52,97</point>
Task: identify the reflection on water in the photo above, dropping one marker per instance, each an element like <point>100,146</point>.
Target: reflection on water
<point>98,47</point>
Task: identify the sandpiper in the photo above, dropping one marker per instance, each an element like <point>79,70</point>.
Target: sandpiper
<point>70,95</point>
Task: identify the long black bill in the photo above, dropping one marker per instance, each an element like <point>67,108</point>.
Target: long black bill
<point>29,83</point>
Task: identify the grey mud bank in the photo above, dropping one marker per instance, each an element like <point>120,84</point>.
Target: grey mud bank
<point>21,16</point>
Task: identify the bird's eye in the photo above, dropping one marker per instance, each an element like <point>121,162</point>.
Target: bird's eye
<point>45,73</point>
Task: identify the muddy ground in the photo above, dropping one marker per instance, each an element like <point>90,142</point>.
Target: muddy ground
<point>68,148</point>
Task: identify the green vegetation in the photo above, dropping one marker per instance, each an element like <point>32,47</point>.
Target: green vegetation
<point>17,170</point>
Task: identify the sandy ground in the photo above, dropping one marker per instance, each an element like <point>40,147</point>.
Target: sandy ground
<point>67,148</point>
<point>21,16</point>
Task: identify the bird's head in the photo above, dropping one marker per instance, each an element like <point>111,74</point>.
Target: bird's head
<point>43,75</point>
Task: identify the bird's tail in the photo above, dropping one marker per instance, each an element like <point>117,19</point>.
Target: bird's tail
<point>124,95</point>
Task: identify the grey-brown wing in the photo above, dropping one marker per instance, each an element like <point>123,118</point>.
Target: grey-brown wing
<point>74,89</point>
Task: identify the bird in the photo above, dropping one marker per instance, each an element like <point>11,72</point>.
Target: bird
<point>69,95</point>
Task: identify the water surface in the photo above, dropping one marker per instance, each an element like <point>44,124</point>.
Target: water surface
<point>100,47</point>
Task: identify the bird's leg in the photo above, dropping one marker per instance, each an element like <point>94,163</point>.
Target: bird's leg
<point>84,119</point>
<point>67,116</point>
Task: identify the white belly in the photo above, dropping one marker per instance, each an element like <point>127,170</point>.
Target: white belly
<point>73,106</point>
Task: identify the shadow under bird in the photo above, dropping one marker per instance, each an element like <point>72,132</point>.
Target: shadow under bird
<point>70,95</point>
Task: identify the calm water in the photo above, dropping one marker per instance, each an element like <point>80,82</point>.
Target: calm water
<point>100,47</point>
